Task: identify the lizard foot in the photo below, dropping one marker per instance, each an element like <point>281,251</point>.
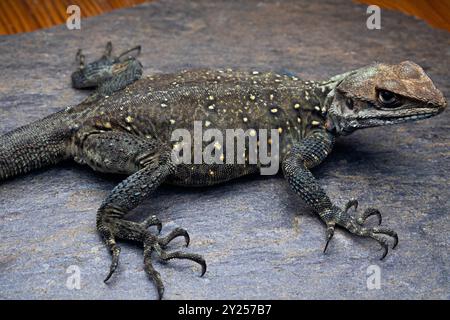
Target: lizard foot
<point>109,73</point>
<point>153,244</point>
<point>122,56</point>
<point>105,61</point>
<point>356,225</point>
<point>112,228</point>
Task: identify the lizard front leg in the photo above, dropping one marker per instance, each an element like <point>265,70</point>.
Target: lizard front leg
<point>151,163</point>
<point>308,153</point>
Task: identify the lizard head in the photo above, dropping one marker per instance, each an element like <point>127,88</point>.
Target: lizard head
<point>382,94</point>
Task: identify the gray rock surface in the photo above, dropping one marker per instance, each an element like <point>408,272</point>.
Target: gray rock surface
<point>259,240</point>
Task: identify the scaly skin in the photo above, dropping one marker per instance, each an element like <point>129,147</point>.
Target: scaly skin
<point>125,127</point>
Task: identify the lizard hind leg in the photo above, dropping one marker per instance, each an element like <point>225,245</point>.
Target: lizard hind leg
<point>108,73</point>
<point>149,163</point>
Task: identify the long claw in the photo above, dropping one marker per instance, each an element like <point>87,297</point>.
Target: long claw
<point>382,241</point>
<point>329,235</point>
<point>395,241</point>
<point>109,275</point>
<point>199,259</point>
<point>370,212</point>
<point>389,232</point>
<point>165,256</point>
<point>152,221</point>
<point>203,269</point>
<point>326,245</point>
<point>114,262</point>
<point>178,232</point>
<point>152,273</point>
<point>351,203</point>
<point>386,249</point>
<point>137,48</point>
<point>374,212</point>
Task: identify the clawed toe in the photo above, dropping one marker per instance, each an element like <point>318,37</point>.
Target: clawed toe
<point>369,212</point>
<point>383,242</point>
<point>152,221</point>
<point>388,232</point>
<point>379,234</point>
<point>166,256</point>
<point>152,244</point>
<point>151,271</point>
<point>376,233</point>
<point>177,232</point>
<point>329,235</point>
<point>351,203</point>
<point>361,218</point>
<point>127,54</point>
<point>355,224</point>
<point>164,241</point>
<point>115,252</point>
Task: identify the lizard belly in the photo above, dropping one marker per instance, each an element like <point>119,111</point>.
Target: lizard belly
<point>209,174</point>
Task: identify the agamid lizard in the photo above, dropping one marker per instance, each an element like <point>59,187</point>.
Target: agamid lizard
<point>124,127</point>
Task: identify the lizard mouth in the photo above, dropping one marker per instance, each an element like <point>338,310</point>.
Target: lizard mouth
<point>400,119</point>
<point>381,121</point>
<point>413,117</point>
<point>346,126</point>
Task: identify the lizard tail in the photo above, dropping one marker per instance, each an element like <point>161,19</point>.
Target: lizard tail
<point>36,145</point>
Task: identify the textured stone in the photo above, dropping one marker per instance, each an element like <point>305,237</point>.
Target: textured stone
<point>257,237</point>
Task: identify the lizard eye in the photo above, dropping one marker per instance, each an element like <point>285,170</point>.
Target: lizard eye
<point>387,98</point>
<point>349,103</point>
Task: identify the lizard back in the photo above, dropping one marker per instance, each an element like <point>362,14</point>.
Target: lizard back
<point>222,99</point>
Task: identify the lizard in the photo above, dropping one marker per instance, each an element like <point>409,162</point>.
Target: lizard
<point>124,127</point>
